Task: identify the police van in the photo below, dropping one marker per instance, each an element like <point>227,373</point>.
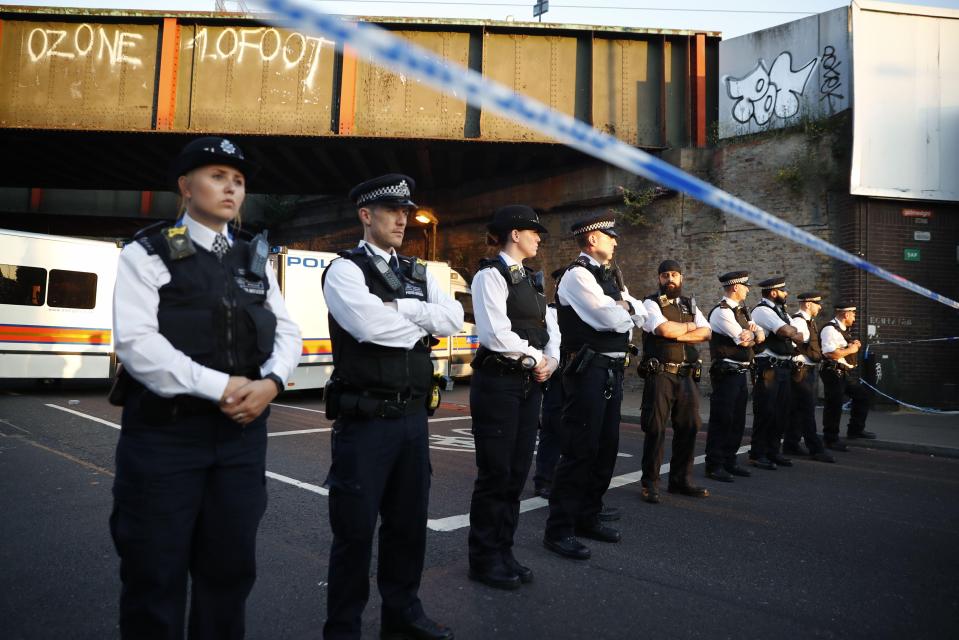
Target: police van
<point>56,306</point>
<point>56,310</point>
<point>300,274</point>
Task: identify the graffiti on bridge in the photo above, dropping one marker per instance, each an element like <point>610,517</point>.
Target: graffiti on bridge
<point>831,79</point>
<point>763,93</point>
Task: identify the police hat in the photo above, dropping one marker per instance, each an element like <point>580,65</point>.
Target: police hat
<point>605,223</point>
<point>810,296</point>
<point>516,216</point>
<point>846,305</point>
<point>211,150</point>
<point>734,277</point>
<point>777,282</point>
<point>392,189</point>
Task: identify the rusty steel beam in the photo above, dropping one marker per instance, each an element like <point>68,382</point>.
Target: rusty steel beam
<point>166,83</point>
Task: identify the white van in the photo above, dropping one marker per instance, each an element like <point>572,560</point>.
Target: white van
<point>300,276</point>
<point>56,306</point>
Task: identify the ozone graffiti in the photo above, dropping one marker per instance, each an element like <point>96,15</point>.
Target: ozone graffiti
<point>266,45</point>
<point>59,43</point>
<point>761,94</point>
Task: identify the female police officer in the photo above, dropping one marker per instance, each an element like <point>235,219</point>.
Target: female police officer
<point>206,344</point>
<point>519,349</point>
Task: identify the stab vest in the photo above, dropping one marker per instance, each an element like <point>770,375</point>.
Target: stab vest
<point>525,305</point>
<point>214,311</point>
<point>670,349</point>
<point>374,367</point>
<point>813,348</point>
<point>722,346</point>
<point>778,344</point>
<point>575,331</point>
<point>853,358</point>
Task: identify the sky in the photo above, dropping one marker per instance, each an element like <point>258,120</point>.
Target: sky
<point>731,17</point>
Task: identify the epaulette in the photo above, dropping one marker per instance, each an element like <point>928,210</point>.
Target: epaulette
<point>348,253</point>
<point>580,261</point>
<point>144,237</point>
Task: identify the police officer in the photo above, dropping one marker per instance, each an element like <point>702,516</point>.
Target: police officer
<point>840,378</point>
<point>774,368</point>
<point>671,367</point>
<point>803,408</point>
<point>519,350</point>
<point>596,315</point>
<point>734,335</point>
<point>384,309</point>
<point>206,344</point>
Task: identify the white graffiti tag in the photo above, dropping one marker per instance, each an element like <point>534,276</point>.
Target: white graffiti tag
<point>762,93</point>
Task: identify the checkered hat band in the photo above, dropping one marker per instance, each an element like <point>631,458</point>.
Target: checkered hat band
<point>401,190</point>
<point>743,280</point>
<point>596,226</point>
<point>816,299</point>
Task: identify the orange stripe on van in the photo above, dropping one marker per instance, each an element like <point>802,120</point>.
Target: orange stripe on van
<point>54,335</point>
<point>317,347</point>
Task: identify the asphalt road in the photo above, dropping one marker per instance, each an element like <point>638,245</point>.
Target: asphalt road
<point>861,549</point>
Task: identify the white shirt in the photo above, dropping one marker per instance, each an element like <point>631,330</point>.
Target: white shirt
<point>802,326</point>
<point>722,321</point>
<point>579,289</point>
<point>364,316</point>
<point>150,357</point>
<point>765,316</point>
<point>493,327</point>
<point>655,317</point>
<point>832,340</point>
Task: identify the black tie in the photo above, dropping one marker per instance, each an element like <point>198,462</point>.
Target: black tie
<point>395,265</point>
<point>220,246</point>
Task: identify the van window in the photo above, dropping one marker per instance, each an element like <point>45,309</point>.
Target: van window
<point>22,285</point>
<point>72,289</point>
<point>466,299</point>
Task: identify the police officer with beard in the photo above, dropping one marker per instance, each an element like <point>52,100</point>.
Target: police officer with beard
<point>840,379</point>
<point>803,410</point>
<point>206,344</point>
<point>384,309</point>
<point>774,368</point>
<point>671,368</point>
<point>596,315</point>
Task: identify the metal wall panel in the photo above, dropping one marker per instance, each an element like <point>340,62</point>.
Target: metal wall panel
<point>77,75</point>
<point>676,55</point>
<point>244,79</point>
<point>537,66</point>
<point>391,105</point>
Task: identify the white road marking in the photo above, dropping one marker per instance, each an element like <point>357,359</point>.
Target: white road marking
<point>298,432</point>
<point>450,419</point>
<point>290,406</point>
<point>84,415</point>
<point>299,483</point>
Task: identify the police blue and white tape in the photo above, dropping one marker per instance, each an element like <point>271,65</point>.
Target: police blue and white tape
<point>910,406</point>
<point>404,57</point>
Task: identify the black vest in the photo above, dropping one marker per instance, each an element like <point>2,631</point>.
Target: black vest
<point>670,349</point>
<point>214,311</point>
<point>525,305</point>
<point>853,358</point>
<point>778,344</point>
<point>813,348</point>
<point>722,346</point>
<point>575,331</point>
<point>373,367</point>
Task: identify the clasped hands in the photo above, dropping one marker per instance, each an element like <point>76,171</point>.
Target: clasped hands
<point>244,399</point>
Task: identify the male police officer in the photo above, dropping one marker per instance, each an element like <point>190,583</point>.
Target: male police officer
<point>839,378</point>
<point>595,316</point>
<point>803,409</point>
<point>384,308</point>
<point>671,367</point>
<point>774,367</point>
<point>731,352</point>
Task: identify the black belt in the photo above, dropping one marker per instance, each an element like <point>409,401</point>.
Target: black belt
<point>608,362</point>
<point>724,367</point>
<point>499,364</point>
<point>775,363</point>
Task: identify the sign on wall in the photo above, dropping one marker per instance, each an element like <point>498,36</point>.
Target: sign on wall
<point>780,76</point>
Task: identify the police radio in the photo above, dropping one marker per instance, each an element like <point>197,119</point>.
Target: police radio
<point>385,273</point>
<point>259,252</point>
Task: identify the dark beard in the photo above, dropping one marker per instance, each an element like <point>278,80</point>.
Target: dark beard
<point>674,293</point>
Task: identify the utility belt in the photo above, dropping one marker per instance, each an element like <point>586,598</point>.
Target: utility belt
<point>838,368</point>
<point>652,366</point>
<point>578,362</point>
<point>345,401</point>
<point>766,362</point>
<point>726,368</point>
<point>497,363</point>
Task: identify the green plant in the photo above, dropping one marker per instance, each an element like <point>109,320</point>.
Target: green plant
<point>634,205</point>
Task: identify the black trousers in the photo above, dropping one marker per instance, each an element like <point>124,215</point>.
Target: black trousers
<point>380,466</point>
<point>771,400</point>
<point>550,426</point>
<point>727,419</point>
<point>590,442</point>
<point>505,410</point>
<point>802,418</point>
<point>669,397</point>
<point>188,499</point>
<point>837,385</point>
